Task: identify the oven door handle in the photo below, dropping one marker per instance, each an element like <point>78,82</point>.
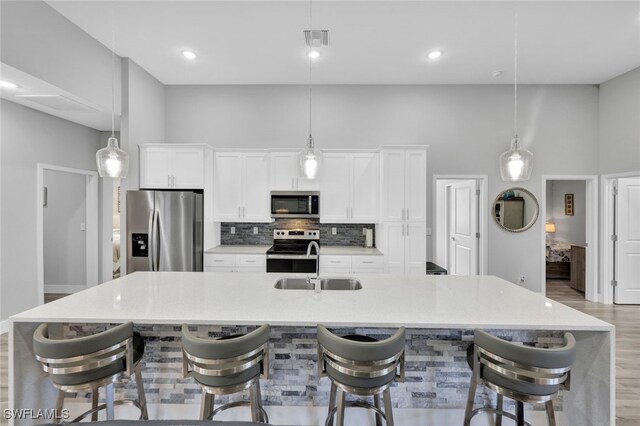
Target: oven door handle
<point>291,256</point>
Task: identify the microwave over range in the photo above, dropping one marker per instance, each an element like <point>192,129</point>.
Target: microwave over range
<point>295,204</point>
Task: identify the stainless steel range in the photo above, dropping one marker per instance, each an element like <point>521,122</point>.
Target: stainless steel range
<point>289,251</point>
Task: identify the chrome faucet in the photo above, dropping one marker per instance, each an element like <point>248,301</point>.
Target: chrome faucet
<point>317,286</point>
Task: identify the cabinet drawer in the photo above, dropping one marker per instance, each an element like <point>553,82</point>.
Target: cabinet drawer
<point>226,260</point>
<point>219,269</point>
<point>366,262</point>
<point>342,262</point>
<point>252,261</point>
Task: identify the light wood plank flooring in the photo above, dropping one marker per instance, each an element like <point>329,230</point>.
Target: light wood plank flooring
<point>626,318</point>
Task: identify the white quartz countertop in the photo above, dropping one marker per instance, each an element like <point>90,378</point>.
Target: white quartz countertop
<point>349,250</point>
<point>238,249</point>
<point>426,301</point>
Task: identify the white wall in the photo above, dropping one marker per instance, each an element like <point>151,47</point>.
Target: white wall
<point>619,136</point>
<point>466,127</point>
<point>65,248</point>
<point>571,229</point>
<point>37,40</point>
<point>142,121</point>
<point>29,137</point>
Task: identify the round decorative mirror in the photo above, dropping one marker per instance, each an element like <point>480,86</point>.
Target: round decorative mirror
<point>515,209</point>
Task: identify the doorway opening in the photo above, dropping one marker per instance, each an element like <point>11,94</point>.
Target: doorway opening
<point>67,231</point>
<point>621,237</point>
<point>569,237</point>
<point>460,243</point>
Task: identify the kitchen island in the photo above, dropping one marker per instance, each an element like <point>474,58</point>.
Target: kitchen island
<point>440,313</point>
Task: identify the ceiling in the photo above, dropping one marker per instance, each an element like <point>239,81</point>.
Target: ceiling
<point>370,42</point>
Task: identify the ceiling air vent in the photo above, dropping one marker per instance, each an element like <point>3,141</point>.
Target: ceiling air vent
<point>58,102</point>
<point>316,38</point>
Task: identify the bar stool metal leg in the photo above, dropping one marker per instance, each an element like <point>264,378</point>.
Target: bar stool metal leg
<point>520,413</point>
<point>109,400</point>
<point>499,405</point>
<point>376,403</point>
<point>551,415</point>
<point>94,404</point>
<point>141,397</point>
<point>206,405</point>
<point>470,398</point>
<point>388,411</point>
<point>253,397</point>
<point>59,404</point>
<point>340,411</point>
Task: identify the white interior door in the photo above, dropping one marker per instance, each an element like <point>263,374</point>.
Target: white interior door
<point>463,227</point>
<point>628,249</point>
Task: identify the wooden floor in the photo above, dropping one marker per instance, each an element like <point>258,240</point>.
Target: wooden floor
<point>626,318</point>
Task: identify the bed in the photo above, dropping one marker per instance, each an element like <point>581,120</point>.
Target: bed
<point>558,257</point>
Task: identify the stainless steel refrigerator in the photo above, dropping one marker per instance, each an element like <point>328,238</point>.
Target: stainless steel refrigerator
<point>164,231</point>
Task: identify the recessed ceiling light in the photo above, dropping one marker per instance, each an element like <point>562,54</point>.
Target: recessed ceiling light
<point>189,54</point>
<point>313,54</point>
<point>8,84</point>
<point>435,54</point>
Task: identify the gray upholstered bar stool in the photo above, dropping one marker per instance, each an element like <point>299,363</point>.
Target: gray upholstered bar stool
<point>521,373</point>
<point>91,362</point>
<point>228,365</point>
<point>361,366</point>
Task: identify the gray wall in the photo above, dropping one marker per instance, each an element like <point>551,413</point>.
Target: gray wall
<point>466,127</point>
<point>571,229</point>
<point>143,116</point>
<point>29,137</point>
<point>39,41</point>
<point>619,147</point>
<point>65,248</point>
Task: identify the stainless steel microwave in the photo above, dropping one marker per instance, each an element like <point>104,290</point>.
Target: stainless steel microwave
<point>295,204</point>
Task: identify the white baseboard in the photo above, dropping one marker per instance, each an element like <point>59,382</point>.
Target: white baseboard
<point>63,288</point>
<point>4,326</point>
<point>304,416</point>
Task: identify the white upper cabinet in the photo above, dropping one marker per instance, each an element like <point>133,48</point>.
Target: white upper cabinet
<point>350,187</point>
<point>404,185</point>
<point>241,187</point>
<point>173,166</point>
<point>285,173</point>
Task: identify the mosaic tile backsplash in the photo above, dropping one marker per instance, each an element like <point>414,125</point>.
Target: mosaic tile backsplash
<point>437,375</point>
<point>347,234</point>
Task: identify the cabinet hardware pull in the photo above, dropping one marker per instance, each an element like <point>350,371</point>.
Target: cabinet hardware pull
<point>239,215</point>
<point>243,212</point>
<point>251,261</point>
<point>168,180</point>
<point>367,261</point>
<point>407,217</point>
<point>335,261</point>
<point>293,185</point>
<point>407,229</point>
<point>218,260</point>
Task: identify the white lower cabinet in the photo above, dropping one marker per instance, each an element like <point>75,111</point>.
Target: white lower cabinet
<point>235,262</point>
<point>345,264</point>
<point>405,248</point>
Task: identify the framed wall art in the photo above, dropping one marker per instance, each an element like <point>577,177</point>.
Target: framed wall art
<point>568,204</point>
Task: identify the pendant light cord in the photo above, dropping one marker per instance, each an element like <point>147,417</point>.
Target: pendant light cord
<point>113,78</point>
<point>310,66</point>
<point>515,79</point>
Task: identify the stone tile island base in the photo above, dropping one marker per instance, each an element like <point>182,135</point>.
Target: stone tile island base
<point>437,375</point>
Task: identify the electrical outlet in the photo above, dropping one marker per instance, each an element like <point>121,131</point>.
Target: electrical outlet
<point>334,231</point>
<point>429,232</point>
<point>521,279</point>
<point>364,231</point>
<point>255,229</point>
<point>233,229</point>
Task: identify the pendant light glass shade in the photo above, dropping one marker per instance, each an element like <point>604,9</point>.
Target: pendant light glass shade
<point>310,161</point>
<point>516,164</point>
<point>112,161</point>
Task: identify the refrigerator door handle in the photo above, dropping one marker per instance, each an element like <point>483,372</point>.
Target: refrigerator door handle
<point>156,241</point>
<point>150,242</point>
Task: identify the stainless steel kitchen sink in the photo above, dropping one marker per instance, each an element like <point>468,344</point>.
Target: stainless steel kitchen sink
<point>300,283</point>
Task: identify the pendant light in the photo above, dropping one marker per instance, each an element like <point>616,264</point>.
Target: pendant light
<point>112,161</point>
<point>310,158</point>
<point>516,164</point>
